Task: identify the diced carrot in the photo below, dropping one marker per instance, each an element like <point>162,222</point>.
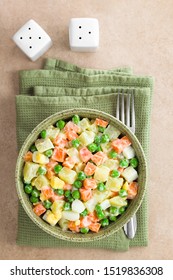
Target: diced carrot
<point>59,154</point>
<point>60,141</point>
<point>99,158</point>
<point>120,169</point>
<point>56,197</point>
<point>100,122</point>
<point>72,226</point>
<point>67,187</point>
<point>114,194</point>
<point>47,192</point>
<point>85,194</point>
<point>39,209</point>
<point>85,221</point>
<point>89,169</point>
<point>89,183</point>
<point>72,126</point>
<point>71,135</point>
<point>28,156</point>
<point>94,227</point>
<point>93,217</point>
<point>51,165</point>
<point>50,174</point>
<point>120,144</point>
<point>132,190</point>
<point>85,154</point>
<point>69,162</point>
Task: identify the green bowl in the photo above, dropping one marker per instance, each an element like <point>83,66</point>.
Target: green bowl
<point>133,205</point>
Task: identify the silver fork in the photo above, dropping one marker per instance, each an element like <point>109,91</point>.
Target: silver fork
<point>125,112</point>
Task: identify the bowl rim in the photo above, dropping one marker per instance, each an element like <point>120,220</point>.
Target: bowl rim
<point>57,231</point>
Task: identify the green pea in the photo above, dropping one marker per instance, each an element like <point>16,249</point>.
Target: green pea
<point>122,193</point>
<point>98,208</point>
<point>115,173</point>
<point>100,215</point>
<point>67,193</point>
<point>92,147</point>
<point>60,124</point>
<point>59,191</point>
<point>97,140</point>
<point>105,138</point>
<point>101,187</point>
<point>81,176</point>
<point>76,119</point>
<point>124,163</point>
<point>104,222</point>
<point>47,204</point>
<point>75,143</point>
<point>43,134</point>
<point>112,218</point>
<point>77,184</point>
<point>48,153</point>
<point>57,168</point>
<point>99,148</point>
<point>84,230</point>
<point>70,199</point>
<point>33,148</point>
<point>122,210</point>
<point>113,210</point>
<point>28,188</point>
<point>84,213</point>
<point>134,162</point>
<point>76,194</point>
<point>34,199</point>
<point>101,129</point>
<point>112,154</point>
<point>42,170</point>
<point>35,193</point>
<point>66,206</point>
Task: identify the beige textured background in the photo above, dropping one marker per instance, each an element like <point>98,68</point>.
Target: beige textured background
<point>137,33</point>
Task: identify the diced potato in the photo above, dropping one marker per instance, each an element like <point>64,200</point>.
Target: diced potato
<point>78,206</point>
<point>74,154</point>
<point>30,171</point>
<point>100,196</point>
<point>52,132</point>
<point>102,173</point>
<point>90,204</point>
<point>93,127</point>
<point>129,152</point>
<point>86,137</point>
<point>39,158</point>
<point>106,147</point>
<point>125,186</point>
<point>130,174</point>
<point>50,218</point>
<point>43,145</point>
<point>84,124</point>
<point>63,223</point>
<point>105,204</point>
<point>41,181</point>
<point>67,175</point>
<point>118,201</point>
<point>57,206</point>
<point>112,132</point>
<point>70,215</point>
<point>111,164</point>
<point>114,184</point>
<point>56,183</point>
<point>79,166</point>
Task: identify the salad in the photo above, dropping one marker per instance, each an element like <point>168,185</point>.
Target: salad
<point>80,174</point>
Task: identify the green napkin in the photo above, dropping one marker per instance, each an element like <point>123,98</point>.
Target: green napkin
<point>64,86</point>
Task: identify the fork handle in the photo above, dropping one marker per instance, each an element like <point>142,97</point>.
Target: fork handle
<point>130,227</point>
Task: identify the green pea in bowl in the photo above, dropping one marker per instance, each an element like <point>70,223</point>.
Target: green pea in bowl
<point>105,230</point>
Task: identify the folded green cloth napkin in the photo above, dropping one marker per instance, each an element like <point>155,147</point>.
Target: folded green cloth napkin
<point>60,86</point>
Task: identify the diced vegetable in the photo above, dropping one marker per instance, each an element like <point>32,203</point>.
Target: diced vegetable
<point>39,209</point>
<point>30,171</point>
<point>130,174</point>
<point>87,137</point>
<point>56,183</point>
<point>129,152</point>
<point>40,182</point>
<point>91,203</point>
<point>39,158</point>
<point>105,204</point>
<point>100,122</point>
<point>101,173</point>
<point>85,154</point>
<point>111,163</point>
<point>43,145</point>
<point>78,206</point>
<point>120,144</point>
<point>52,132</point>
<point>132,190</point>
<point>74,154</point>
<point>99,158</point>
<point>67,175</point>
<point>70,215</point>
<point>117,201</point>
<point>112,132</point>
<point>89,169</point>
<point>59,154</point>
<point>114,184</point>
<point>50,218</point>
<point>85,194</point>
